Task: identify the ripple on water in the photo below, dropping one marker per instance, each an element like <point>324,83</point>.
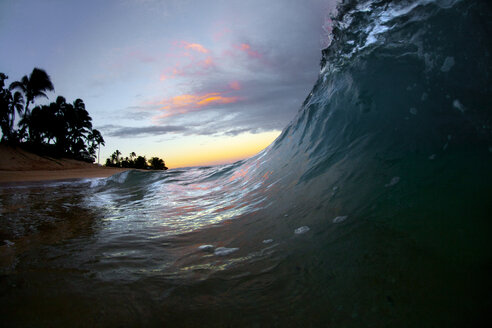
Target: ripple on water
<point>301,230</point>
<point>222,251</point>
<point>394,180</point>
<point>339,219</point>
<point>206,248</point>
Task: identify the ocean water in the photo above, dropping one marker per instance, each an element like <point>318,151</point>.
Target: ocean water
<point>373,208</point>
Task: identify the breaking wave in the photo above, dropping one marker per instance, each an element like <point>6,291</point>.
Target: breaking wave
<point>372,208</point>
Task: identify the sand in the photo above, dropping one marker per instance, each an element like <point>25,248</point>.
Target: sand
<point>17,165</point>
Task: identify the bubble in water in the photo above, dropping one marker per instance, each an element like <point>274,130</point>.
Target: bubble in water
<point>413,111</point>
<point>8,243</point>
<point>393,181</point>
<point>301,230</point>
<point>267,241</point>
<point>206,248</point>
<point>221,251</point>
<point>339,219</point>
<point>432,157</point>
<point>448,64</point>
<point>459,106</point>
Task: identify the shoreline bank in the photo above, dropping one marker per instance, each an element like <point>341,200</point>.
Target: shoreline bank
<point>19,165</point>
<point>9,177</point>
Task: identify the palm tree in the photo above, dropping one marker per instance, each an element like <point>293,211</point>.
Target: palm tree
<point>113,159</point>
<point>79,124</point>
<point>34,86</point>
<point>60,126</point>
<point>157,163</point>
<point>95,139</point>
<point>16,106</point>
<point>9,104</point>
<point>117,153</point>
<point>5,101</point>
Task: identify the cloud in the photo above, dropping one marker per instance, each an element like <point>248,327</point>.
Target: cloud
<point>246,48</point>
<point>238,78</point>
<point>196,63</point>
<point>194,46</point>
<point>235,85</point>
<point>182,104</point>
<point>154,130</point>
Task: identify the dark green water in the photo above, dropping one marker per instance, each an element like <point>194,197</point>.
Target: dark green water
<point>372,209</point>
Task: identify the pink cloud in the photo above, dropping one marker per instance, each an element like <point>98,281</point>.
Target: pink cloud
<point>246,48</point>
<point>189,102</point>
<point>196,62</point>
<point>234,85</point>
<point>220,34</point>
<point>194,68</point>
<point>207,62</point>
<point>194,46</point>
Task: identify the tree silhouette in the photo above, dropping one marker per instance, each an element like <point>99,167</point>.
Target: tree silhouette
<point>157,163</point>
<point>60,125</point>
<point>5,108</point>
<point>79,125</point>
<point>95,139</point>
<point>117,154</point>
<point>113,159</point>
<point>59,128</point>
<point>33,86</point>
<point>141,162</point>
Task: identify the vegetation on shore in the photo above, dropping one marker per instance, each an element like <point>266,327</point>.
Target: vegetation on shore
<point>60,129</point>
<point>135,162</point>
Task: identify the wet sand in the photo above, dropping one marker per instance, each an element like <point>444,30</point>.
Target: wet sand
<point>60,174</point>
<point>18,165</point>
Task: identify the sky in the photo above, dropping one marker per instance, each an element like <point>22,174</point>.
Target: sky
<point>193,82</point>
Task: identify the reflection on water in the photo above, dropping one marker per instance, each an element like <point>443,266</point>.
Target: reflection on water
<point>116,251</point>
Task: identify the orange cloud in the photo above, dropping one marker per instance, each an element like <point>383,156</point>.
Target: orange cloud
<point>234,85</point>
<point>194,68</point>
<point>220,34</point>
<point>194,46</point>
<point>247,49</point>
<point>207,62</point>
<point>184,103</point>
<point>188,63</point>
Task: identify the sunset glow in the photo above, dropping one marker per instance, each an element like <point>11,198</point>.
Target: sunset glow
<point>222,150</point>
<point>190,82</point>
<point>247,49</point>
<point>195,46</point>
<point>184,103</point>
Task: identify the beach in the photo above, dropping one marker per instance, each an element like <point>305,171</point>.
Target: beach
<point>18,165</point>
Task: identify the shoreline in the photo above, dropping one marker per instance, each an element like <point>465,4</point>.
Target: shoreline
<point>21,176</point>
<point>18,166</point>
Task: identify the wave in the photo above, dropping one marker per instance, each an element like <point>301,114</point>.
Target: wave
<point>370,208</point>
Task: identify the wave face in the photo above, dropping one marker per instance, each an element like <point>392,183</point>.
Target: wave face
<point>372,208</point>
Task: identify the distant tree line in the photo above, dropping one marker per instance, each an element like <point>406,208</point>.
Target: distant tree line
<point>135,162</point>
<point>58,129</point>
